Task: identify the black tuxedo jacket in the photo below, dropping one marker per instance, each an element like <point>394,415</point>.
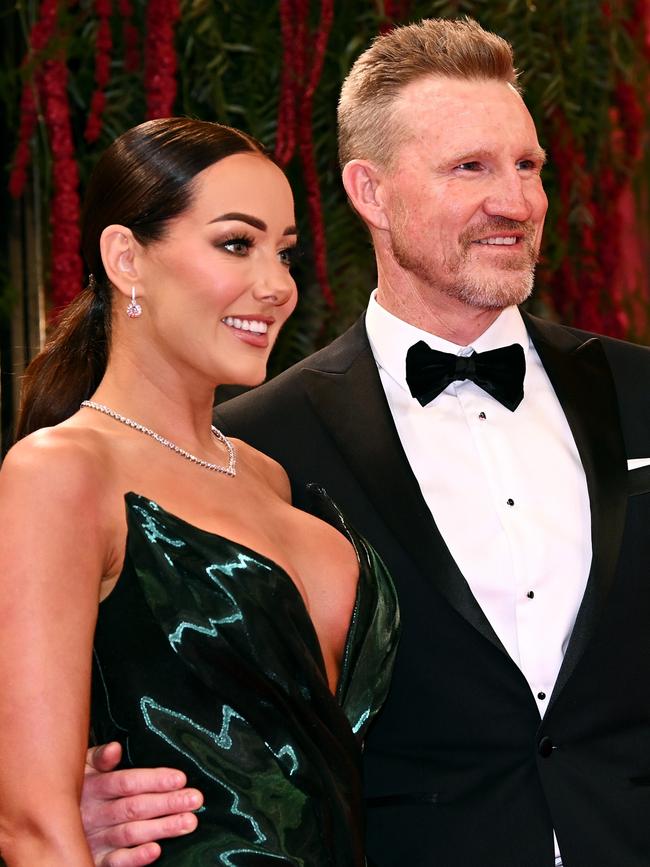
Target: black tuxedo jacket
<point>459,769</point>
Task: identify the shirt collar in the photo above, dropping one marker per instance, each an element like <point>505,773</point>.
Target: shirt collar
<point>390,338</point>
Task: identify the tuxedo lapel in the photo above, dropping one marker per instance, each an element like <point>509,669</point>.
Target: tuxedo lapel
<point>368,441</point>
<point>582,380</point>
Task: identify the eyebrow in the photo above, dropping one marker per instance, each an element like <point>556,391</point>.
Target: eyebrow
<point>540,154</point>
<point>537,153</point>
<point>255,222</point>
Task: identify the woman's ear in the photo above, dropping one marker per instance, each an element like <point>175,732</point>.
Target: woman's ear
<point>363,184</point>
<point>119,251</point>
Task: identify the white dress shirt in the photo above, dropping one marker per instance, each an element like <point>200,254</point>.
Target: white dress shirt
<point>506,489</point>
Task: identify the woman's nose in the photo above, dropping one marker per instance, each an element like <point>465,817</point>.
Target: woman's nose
<point>276,289</point>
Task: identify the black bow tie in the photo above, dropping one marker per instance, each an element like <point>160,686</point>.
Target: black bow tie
<point>499,372</point>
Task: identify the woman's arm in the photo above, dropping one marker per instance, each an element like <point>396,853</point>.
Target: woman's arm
<point>53,551</point>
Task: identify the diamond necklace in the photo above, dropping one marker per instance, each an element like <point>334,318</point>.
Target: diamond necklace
<point>230,470</point>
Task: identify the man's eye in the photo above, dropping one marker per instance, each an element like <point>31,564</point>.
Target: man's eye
<point>472,166</point>
<point>528,166</point>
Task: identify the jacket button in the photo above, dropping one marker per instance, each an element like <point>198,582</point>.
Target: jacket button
<point>545,747</point>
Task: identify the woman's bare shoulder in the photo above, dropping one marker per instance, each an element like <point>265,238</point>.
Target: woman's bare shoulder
<point>65,463</point>
<point>271,471</point>
<point>55,504</point>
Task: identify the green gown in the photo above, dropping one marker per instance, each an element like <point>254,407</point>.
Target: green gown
<point>206,660</point>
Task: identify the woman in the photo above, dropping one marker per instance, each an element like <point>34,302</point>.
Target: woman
<point>234,636</point>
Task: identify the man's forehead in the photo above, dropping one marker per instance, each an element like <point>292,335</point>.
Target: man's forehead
<point>435,87</point>
<point>441,109</point>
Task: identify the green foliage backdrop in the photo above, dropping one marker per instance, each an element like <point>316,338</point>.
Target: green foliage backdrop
<point>585,74</point>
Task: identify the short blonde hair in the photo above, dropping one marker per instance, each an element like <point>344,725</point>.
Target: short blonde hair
<point>457,48</point>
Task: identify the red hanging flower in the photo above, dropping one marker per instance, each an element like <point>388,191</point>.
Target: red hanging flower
<point>130,36</point>
<point>160,57</point>
<point>307,156</point>
<point>103,46</point>
<point>394,11</point>
<point>44,26</point>
<point>49,79</point>
<point>22,156</point>
<point>293,70</point>
<point>66,266</point>
<point>298,85</point>
<point>577,284</point>
<point>41,33</point>
<point>631,119</point>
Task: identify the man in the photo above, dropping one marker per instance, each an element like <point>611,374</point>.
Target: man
<point>515,523</point>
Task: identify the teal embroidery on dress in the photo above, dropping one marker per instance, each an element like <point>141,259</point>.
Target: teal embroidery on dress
<point>222,740</point>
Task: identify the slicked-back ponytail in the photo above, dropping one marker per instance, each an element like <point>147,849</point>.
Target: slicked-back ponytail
<point>71,365</point>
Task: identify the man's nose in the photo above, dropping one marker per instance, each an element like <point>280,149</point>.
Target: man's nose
<point>508,198</point>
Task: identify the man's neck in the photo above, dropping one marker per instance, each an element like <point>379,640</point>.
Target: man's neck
<point>452,320</point>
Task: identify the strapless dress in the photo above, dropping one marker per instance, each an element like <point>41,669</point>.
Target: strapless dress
<point>206,660</point>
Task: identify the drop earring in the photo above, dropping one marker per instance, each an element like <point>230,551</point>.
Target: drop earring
<point>134,309</point>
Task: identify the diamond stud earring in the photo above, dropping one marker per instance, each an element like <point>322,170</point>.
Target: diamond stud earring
<point>134,309</point>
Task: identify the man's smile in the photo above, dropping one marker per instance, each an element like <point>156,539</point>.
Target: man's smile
<point>508,241</point>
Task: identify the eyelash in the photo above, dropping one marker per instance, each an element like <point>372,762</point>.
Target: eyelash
<point>292,254</point>
<point>527,165</point>
<point>247,241</point>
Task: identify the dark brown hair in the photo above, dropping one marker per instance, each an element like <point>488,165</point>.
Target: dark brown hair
<point>142,181</point>
<point>451,48</point>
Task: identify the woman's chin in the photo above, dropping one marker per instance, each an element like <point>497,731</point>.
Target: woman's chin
<point>243,380</point>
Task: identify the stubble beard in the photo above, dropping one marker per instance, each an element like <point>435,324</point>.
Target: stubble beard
<point>460,279</point>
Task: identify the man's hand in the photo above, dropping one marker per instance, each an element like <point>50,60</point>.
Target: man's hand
<point>123,812</point>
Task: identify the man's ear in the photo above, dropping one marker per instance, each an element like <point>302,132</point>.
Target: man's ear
<point>363,184</point>
<point>119,251</point>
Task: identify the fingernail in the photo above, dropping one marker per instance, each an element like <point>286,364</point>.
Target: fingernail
<point>193,800</point>
<point>100,750</point>
<point>188,824</point>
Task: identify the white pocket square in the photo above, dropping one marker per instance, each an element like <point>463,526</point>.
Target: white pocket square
<point>635,463</point>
